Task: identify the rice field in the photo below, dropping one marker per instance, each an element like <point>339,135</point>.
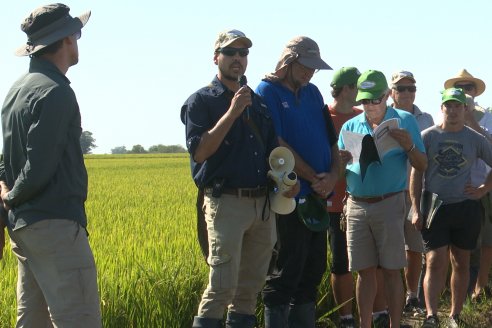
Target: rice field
<point>141,211</point>
<point>142,231</point>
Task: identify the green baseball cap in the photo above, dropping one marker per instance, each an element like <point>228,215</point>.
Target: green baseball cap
<point>345,76</point>
<point>456,94</point>
<point>371,85</point>
<point>313,212</point>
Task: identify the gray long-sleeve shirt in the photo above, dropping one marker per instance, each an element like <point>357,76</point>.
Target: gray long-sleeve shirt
<point>44,165</point>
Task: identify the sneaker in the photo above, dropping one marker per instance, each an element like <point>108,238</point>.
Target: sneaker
<point>431,321</point>
<point>347,323</point>
<point>454,321</point>
<point>382,321</point>
<point>413,306</point>
<point>410,304</point>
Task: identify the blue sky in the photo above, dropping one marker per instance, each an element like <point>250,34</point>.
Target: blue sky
<point>140,60</point>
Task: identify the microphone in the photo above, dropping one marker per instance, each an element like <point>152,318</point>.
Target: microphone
<point>242,80</point>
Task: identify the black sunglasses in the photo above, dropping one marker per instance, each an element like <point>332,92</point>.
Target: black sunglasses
<point>243,52</point>
<point>402,88</point>
<point>466,87</point>
<point>372,101</point>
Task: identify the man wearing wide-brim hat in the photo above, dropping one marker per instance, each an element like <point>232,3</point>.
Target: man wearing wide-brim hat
<point>479,120</point>
<point>303,125</point>
<point>449,230</point>
<point>44,181</point>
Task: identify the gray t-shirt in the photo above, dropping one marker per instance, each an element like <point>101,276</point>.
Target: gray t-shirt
<point>450,158</point>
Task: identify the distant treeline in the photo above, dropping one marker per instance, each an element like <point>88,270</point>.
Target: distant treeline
<point>139,149</point>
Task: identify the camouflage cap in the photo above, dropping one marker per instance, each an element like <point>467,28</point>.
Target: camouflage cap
<point>48,24</point>
<point>400,75</point>
<point>227,37</point>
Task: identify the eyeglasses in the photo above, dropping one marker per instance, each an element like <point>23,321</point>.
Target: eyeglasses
<point>466,87</point>
<point>372,101</point>
<point>403,88</point>
<point>230,52</point>
<point>77,34</point>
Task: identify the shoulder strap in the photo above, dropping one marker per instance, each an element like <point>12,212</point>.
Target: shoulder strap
<point>330,126</point>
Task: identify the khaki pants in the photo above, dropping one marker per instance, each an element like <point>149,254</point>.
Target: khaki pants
<point>57,284</point>
<point>240,249</point>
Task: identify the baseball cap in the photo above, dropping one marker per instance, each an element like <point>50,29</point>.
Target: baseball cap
<point>345,76</point>
<point>307,52</point>
<point>371,85</point>
<point>453,94</point>
<point>227,37</point>
<point>400,75</point>
<point>312,212</point>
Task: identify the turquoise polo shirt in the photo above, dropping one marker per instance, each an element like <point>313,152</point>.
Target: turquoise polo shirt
<point>391,174</point>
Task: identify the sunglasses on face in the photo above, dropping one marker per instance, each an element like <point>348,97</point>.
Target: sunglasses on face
<point>230,52</point>
<point>466,87</point>
<point>403,88</point>
<point>372,101</point>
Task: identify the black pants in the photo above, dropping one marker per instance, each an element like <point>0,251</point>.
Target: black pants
<point>338,245</point>
<point>300,265</point>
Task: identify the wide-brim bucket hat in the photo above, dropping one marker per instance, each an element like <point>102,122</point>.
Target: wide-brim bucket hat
<point>48,24</point>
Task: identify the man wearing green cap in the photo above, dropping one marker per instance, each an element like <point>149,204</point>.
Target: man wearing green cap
<point>376,203</point>
<point>344,91</point>
<point>452,148</point>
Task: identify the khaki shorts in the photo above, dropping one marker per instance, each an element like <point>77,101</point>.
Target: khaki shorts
<point>375,233</point>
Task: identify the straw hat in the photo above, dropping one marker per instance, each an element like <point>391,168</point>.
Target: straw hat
<point>464,76</point>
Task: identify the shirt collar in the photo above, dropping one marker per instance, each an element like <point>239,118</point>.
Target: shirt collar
<point>47,67</point>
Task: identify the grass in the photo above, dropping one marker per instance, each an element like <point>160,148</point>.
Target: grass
<point>141,212</point>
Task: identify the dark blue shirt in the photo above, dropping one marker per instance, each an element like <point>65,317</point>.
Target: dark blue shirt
<point>242,157</point>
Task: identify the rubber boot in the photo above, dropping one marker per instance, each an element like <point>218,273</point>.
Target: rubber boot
<point>276,316</point>
<point>202,322</point>
<point>302,315</point>
<point>239,320</point>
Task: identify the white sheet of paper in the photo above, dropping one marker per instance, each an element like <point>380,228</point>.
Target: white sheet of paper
<point>353,143</point>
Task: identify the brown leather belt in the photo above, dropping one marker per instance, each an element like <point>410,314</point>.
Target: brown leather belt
<point>375,199</point>
<point>243,192</point>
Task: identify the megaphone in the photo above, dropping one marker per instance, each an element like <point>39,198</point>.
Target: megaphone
<point>282,163</point>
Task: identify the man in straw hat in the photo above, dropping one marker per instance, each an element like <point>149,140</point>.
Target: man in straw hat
<point>229,135</point>
<point>480,120</point>
<point>303,124</point>
<point>376,203</point>
<point>451,149</point>
<point>44,181</point>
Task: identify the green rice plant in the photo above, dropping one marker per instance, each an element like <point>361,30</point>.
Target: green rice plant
<point>142,225</point>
